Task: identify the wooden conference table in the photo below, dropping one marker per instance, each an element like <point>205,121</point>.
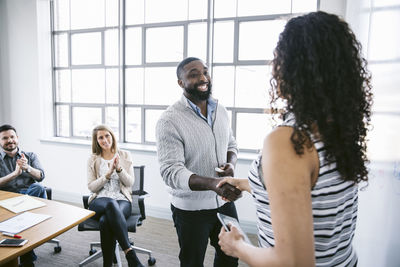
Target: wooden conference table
<point>64,217</point>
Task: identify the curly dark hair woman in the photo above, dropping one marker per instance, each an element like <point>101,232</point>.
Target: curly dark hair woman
<point>324,80</point>
<point>305,182</point>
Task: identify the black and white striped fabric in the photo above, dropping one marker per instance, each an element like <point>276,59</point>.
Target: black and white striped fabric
<point>334,209</point>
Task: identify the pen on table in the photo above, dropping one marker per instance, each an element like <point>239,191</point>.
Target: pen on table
<point>19,202</point>
<point>12,235</point>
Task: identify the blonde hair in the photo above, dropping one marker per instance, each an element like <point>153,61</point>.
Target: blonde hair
<point>96,149</point>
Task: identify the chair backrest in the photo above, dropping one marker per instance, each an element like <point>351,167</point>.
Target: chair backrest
<point>137,188</point>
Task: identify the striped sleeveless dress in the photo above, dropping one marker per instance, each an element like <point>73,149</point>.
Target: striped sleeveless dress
<point>334,209</point>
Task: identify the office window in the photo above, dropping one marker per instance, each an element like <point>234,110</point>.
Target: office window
<point>114,61</point>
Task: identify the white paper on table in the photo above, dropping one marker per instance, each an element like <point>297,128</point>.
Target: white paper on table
<point>21,203</point>
<point>22,221</point>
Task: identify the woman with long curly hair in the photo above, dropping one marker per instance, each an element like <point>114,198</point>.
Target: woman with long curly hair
<point>305,182</point>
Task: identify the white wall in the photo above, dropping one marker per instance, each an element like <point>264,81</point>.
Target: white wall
<point>25,82</point>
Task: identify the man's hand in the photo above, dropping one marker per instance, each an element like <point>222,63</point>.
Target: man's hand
<point>227,169</point>
<point>18,170</point>
<point>228,192</point>
<point>23,162</point>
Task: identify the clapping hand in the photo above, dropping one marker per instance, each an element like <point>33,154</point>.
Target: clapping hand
<point>22,163</point>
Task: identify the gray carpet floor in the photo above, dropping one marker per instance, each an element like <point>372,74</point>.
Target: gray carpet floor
<point>155,234</point>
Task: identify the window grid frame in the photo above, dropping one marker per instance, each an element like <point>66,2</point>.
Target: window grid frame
<point>122,66</point>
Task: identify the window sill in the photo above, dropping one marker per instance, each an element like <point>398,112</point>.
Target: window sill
<point>243,156</point>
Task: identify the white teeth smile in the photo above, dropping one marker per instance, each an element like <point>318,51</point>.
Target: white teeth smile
<point>203,87</point>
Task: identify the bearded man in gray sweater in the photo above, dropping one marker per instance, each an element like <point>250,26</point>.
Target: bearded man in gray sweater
<point>193,138</point>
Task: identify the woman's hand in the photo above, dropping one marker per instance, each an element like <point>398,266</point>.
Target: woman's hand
<point>240,183</point>
<point>116,164</point>
<point>230,241</point>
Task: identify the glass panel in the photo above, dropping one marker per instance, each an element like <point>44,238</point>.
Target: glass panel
<point>112,120</point>
<point>162,11</point>
<point>112,12</point>
<point>61,15</point>
<point>385,82</point>
<point>252,83</point>
<point>134,84</point>
<point>384,144</point>
<point>223,41</point>
<point>259,46</point>
<point>161,86</point>
<point>171,49</point>
<point>86,48</point>
<point>257,7</point>
<point>197,9</point>
<point>61,50</point>
<point>111,47</point>
<point>133,125</point>
<point>87,14</point>
<point>84,120</point>
<point>384,38</point>
<point>251,130</point>
<point>224,85</point>
<point>63,85</point>
<point>112,86</point>
<point>386,3</point>
<point>134,12</point>
<point>133,46</point>
<point>62,120</point>
<point>224,8</point>
<point>303,6</point>
<point>197,40</point>
<point>152,117</point>
<point>88,86</point>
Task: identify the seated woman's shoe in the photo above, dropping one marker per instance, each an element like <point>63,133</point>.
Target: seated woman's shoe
<point>133,260</point>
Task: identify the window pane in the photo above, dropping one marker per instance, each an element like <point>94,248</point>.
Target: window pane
<point>251,130</point>
<point>86,48</point>
<point>88,86</point>
<point>112,120</point>
<point>134,13</point>
<point>111,47</point>
<point>257,7</point>
<point>112,12</point>
<point>152,117</point>
<point>224,8</point>
<point>223,41</point>
<point>386,3</point>
<point>62,120</point>
<point>161,87</point>
<point>133,47</point>
<point>61,50</point>
<point>171,49</point>
<point>256,95</point>
<point>385,82</point>
<point>197,40</point>
<point>302,6</point>
<point>224,85</point>
<point>61,15</point>
<point>63,85</point>
<point>134,85</point>
<point>133,125</point>
<point>162,11</point>
<point>384,144</point>
<point>87,14</point>
<point>259,46</point>
<point>84,120</point>
<point>384,38</point>
<point>112,86</point>
<point>197,9</point>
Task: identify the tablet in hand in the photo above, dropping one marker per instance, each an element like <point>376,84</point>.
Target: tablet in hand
<point>228,220</point>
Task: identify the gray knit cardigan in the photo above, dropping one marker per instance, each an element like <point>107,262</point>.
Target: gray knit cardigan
<point>186,145</point>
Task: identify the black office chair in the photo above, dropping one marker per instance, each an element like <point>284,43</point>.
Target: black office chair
<point>137,216</point>
<point>57,248</point>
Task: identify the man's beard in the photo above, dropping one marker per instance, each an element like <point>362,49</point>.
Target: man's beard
<point>8,148</point>
<point>197,94</point>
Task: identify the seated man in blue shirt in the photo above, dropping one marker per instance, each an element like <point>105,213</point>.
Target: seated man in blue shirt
<point>20,172</point>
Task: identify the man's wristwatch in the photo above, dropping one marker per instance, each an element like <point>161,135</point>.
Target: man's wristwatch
<point>29,169</point>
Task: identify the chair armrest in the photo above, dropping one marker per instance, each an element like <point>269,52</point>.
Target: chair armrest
<point>142,209</point>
